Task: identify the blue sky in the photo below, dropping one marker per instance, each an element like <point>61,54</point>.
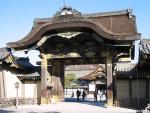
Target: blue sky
<point>16,16</point>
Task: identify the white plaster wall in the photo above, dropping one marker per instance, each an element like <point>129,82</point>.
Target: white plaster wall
<point>38,89</point>
<point>10,80</point>
<point>30,89</point>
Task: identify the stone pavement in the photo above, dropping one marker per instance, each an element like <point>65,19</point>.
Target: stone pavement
<point>67,107</point>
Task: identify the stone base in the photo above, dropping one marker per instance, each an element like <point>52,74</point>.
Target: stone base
<point>44,100</point>
<point>55,98</point>
<point>110,102</point>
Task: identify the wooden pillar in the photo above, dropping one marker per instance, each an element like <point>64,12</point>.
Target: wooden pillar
<point>130,91</point>
<point>44,93</point>
<point>61,85</point>
<point>130,88</point>
<point>114,88</point>
<point>109,81</point>
<point>147,89</point>
<point>2,84</point>
<point>58,80</point>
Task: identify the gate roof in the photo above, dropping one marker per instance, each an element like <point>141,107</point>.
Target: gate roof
<point>116,25</point>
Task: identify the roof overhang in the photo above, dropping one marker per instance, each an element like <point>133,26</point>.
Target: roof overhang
<point>38,31</point>
<point>7,58</point>
<point>145,46</point>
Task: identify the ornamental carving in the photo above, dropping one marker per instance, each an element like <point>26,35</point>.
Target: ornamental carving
<point>67,11</point>
<point>68,34</point>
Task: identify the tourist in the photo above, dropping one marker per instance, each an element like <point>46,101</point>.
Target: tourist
<point>95,95</point>
<point>83,95</point>
<point>72,95</point>
<point>100,95</point>
<point>78,94</point>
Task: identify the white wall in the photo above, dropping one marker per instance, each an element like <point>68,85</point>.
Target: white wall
<point>10,80</point>
<point>30,89</point>
<point>38,89</point>
<point>27,89</point>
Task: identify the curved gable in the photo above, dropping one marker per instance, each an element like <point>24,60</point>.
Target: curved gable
<point>105,26</point>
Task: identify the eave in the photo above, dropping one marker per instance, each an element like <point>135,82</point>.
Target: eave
<point>98,72</point>
<point>7,58</point>
<point>72,22</point>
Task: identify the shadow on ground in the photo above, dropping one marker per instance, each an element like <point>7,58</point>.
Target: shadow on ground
<point>87,101</point>
<point>5,111</point>
<point>46,112</point>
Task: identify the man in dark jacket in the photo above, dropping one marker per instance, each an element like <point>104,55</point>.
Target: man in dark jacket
<point>78,94</point>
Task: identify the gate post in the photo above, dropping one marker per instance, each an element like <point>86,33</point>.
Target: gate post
<point>58,80</point>
<point>44,93</point>
<point>109,80</point>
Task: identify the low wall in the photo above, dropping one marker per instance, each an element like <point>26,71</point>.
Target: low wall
<point>140,103</point>
<point>8,102</point>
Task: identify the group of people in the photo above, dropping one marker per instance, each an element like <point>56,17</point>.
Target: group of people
<point>79,93</point>
<point>99,95</point>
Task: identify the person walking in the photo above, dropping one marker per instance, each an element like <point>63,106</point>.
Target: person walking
<point>78,94</point>
<point>72,94</point>
<point>95,95</point>
<point>100,95</point>
<point>83,95</point>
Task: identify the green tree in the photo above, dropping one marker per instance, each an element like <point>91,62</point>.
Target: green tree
<point>69,78</point>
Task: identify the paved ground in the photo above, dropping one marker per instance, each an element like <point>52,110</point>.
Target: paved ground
<point>66,107</point>
<point>70,106</point>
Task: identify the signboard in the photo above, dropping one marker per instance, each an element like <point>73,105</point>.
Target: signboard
<point>91,87</point>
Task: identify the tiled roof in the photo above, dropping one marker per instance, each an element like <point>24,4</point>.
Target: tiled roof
<point>4,53</point>
<point>7,58</point>
<point>145,46</point>
<point>98,72</point>
<point>117,25</point>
